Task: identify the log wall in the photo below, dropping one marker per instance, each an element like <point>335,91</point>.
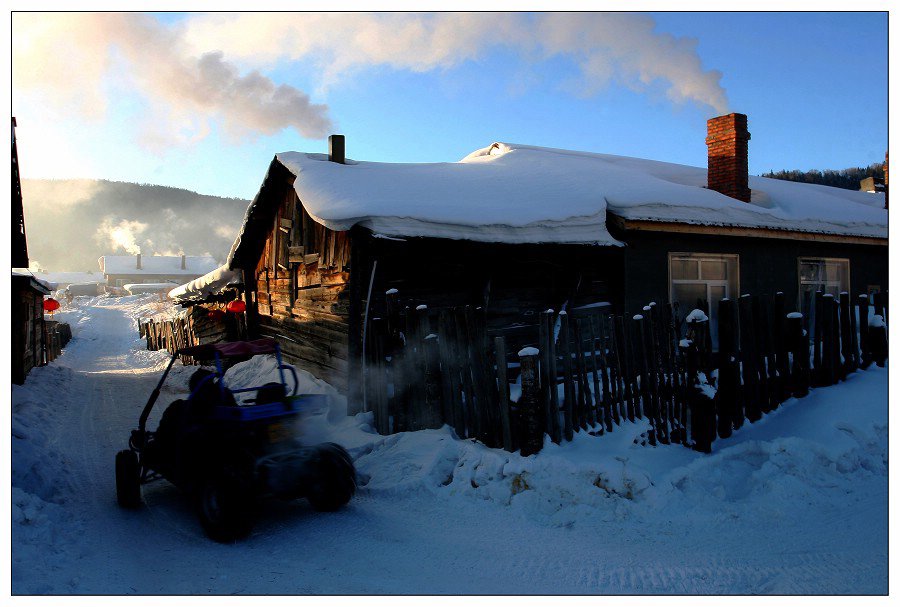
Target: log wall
<point>302,292</point>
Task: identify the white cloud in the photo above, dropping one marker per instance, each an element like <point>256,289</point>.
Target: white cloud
<point>210,68</point>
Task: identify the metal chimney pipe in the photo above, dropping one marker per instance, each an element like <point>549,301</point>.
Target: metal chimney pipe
<point>336,149</point>
<point>138,261</point>
<point>183,262</point>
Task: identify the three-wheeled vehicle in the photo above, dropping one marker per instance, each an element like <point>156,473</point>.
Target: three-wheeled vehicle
<point>228,456</point>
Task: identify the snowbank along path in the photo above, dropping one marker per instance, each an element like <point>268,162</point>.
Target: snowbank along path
<point>796,503</point>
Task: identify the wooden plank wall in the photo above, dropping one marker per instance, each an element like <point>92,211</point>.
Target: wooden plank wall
<point>302,292</point>
<point>28,332</point>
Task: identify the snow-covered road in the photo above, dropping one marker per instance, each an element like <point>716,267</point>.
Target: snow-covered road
<point>795,504</point>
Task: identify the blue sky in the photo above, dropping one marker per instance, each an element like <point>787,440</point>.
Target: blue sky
<point>814,86</point>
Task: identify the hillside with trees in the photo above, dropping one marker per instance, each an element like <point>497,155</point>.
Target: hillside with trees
<point>845,178</point>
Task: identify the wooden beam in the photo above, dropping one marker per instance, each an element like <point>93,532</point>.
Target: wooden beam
<point>687,228</point>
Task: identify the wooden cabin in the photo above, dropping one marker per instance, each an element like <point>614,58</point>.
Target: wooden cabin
<point>515,230</point>
<point>28,334</point>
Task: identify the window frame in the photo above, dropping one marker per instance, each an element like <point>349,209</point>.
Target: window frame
<point>733,269</point>
<point>824,260</point>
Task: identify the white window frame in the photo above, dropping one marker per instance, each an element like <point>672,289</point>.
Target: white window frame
<point>733,263</point>
<point>726,257</point>
<point>822,260</point>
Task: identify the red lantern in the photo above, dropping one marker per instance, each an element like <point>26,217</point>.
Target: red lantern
<point>50,305</point>
<point>237,306</point>
<point>216,314</point>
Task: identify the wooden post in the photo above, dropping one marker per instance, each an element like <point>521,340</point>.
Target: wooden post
<point>585,398</point>
<point>476,356</point>
<point>569,387</point>
<point>378,380</point>
<point>450,377</point>
<point>529,403</point>
<point>818,374</point>
<point>829,373</point>
<point>849,364</point>
<point>779,331</point>
<point>554,429</point>
<point>749,360</point>
<point>545,335</point>
<point>726,401</point>
<point>642,359</point>
<point>604,413</point>
<point>615,370</point>
<point>503,390</point>
<point>862,308</point>
<point>472,422</point>
<point>854,336</point>
<point>799,344</point>
<point>625,367</point>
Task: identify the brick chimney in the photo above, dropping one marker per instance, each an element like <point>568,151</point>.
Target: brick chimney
<point>183,262</point>
<point>726,140</point>
<point>138,261</point>
<point>336,149</point>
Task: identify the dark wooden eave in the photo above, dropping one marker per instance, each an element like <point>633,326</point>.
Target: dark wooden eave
<point>631,225</point>
<point>249,246</point>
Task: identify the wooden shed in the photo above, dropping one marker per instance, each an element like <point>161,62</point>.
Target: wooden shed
<point>28,330</point>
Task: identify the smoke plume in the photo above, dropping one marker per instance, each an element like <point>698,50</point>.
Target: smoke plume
<point>210,69</point>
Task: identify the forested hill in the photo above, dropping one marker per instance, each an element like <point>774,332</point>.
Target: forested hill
<point>70,223</point>
<point>845,178</point>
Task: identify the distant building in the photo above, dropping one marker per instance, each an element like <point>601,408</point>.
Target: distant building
<point>119,270</point>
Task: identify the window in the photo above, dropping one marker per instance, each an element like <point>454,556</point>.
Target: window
<point>699,280</point>
<point>821,274</point>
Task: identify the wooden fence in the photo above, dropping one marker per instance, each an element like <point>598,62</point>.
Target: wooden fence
<point>194,328</point>
<point>591,371</point>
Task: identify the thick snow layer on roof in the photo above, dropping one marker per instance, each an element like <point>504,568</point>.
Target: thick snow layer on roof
<point>63,279</point>
<point>157,264</point>
<point>519,193</point>
<point>523,197</point>
<point>208,285</point>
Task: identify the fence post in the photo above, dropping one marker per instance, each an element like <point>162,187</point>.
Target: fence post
<point>782,364</point>
<point>828,371</point>
<point>548,383</point>
<point>569,391</point>
<point>532,428</point>
<point>503,390</point>
<point>554,429</point>
<point>585,398</point>
<point>862,308</point>
<point>377,384</point>
<point>878,339</point>
<point>818,376</point>
<point>450,377</point>
<point>749,360</point>
<point>642,355</point>
<point>799,345</point>
<point>846,346</point>
<point>729,373</point>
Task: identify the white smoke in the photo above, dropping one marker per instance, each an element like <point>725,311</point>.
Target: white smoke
<point>607,47</point>
<point>208,69</point>
<point>123,235</point>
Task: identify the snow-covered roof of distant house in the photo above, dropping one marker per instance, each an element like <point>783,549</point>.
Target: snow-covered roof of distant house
<point>67,278</point>
<point>157,264</point>
<point>518,193</point>
<point>208,285</point>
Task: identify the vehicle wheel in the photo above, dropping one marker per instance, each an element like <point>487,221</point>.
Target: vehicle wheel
<point>225,511</point>
<point>128,479</point>
<point>335,480</point>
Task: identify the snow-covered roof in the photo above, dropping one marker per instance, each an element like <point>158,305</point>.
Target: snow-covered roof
<point>518,193</point>
<point>36,283</point>
<point>157,265</point>
<point>208,285</point>
<point>522,197</point>
<point>67,278</point>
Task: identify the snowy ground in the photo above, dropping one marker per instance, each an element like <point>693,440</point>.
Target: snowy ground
<point>796,503</point>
